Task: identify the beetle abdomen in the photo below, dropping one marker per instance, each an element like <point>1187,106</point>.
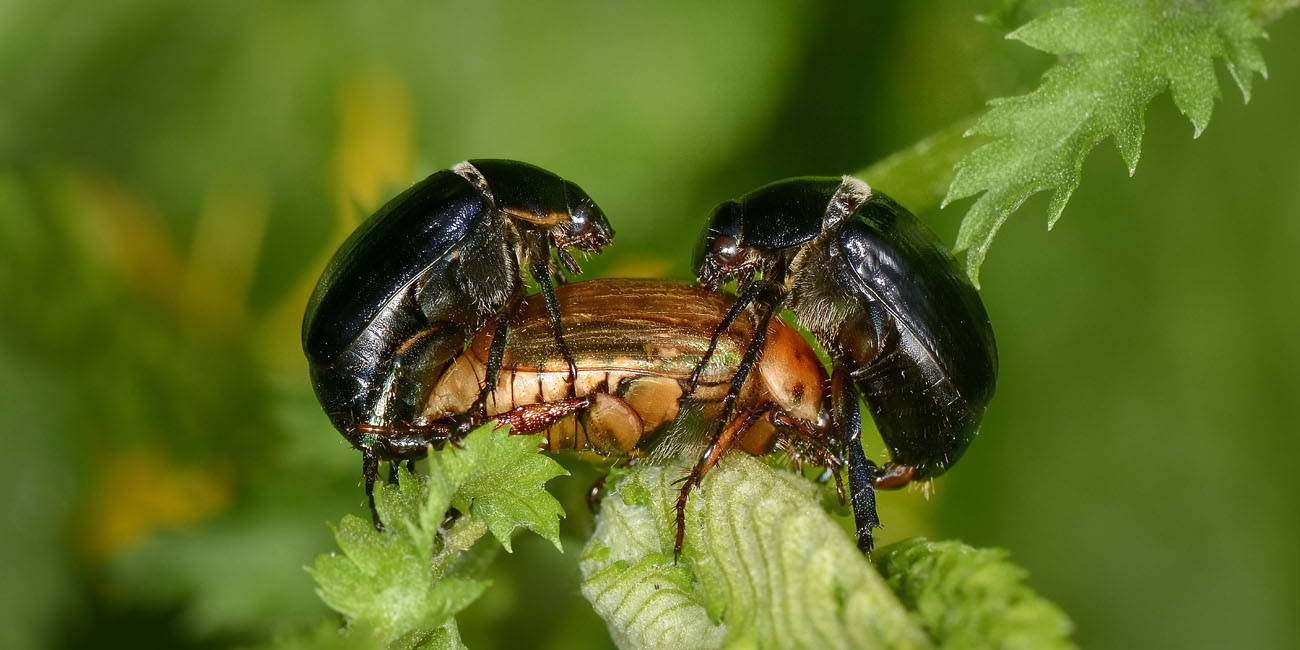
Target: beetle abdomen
<point>641,356</point>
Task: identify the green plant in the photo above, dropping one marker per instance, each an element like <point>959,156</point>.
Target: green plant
<point>763,565</point>
<point>1114,58</point>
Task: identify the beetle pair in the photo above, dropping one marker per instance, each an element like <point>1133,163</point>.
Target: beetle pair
<point>386,331</point>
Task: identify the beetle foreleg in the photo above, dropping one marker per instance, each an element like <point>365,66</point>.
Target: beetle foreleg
<point>746,364</point>
<point>738,307</point>
<point>542,273</point>
<point>723,440</point>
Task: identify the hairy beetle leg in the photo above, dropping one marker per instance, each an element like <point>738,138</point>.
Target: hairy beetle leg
<point>710,459</point>
<point>531,418</point>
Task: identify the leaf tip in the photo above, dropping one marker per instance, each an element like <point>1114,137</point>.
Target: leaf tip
<point>973,261</point>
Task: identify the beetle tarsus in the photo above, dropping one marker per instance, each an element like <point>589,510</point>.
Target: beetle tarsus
<point>689,482</point>
<point>862,475</point>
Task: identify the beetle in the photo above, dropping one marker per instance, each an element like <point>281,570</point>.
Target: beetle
<point>634,365</point>
<point>407,289</point>
<point>903,327</point>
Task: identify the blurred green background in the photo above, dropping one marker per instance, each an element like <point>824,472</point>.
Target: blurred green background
<point>173,176</point>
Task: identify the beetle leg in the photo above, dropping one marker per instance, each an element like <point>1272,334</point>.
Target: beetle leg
<point>839,483</point>
<point>716,449</point>
<point>392,472</point>
<point>862,472</point>
<point>742,301</point>
<point>541,273</point>
<point>370,472</point>
<point>499,338</point>
<point>723,439</point>
<point>531,418</point>
<point>746,364</point>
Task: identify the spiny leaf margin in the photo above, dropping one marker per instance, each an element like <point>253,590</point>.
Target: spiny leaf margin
<point>407,582</point>
<point>1118,55</point>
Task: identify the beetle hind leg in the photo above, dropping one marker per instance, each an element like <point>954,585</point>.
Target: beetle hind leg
<point>370,473</point>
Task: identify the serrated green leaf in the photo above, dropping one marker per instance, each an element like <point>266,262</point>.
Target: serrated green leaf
<point>1117,56</point>
<point>500,479</point>
<point>383,579</point>
<point>409,580</point>
<point>762,566</point>
<point>971,598</point>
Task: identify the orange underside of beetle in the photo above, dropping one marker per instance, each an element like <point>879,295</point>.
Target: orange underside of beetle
<point>635,344</point>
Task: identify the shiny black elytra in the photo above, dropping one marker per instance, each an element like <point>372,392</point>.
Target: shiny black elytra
<point>904,328</point>
<point>403,294</point>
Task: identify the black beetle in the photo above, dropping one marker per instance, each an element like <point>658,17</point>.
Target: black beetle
<point>886,301</point>
<point>404,293</point>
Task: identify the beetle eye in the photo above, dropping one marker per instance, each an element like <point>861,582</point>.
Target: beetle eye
<point>725,250</point>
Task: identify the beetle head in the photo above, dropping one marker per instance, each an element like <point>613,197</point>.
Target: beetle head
<point>764,229</point>
<point>586,229</point>
<point>719,256</point>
